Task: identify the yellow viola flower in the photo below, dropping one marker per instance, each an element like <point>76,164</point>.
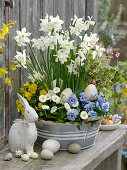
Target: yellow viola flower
<point>40,105</point>
<point>27,84</point>
<point>17,102</point>
<point>22,89</point>
<point>43,92</point>
<point>7,81</point>
<point>28,95</point>
<point>33,88</point>
<point>12,67</point>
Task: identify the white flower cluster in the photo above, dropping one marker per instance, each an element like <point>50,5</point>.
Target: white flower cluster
<point>21,59</point>
<point>88,45</point>
<point>22,37</point>
<point>50,24</point>
<point>66,48</point>
<point>50,96</point>
<point>36,76</point>
<point>78,25</point>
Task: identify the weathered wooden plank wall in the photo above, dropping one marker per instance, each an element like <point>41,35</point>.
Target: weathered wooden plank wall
<point>2,116</point>
<point>27,14</point>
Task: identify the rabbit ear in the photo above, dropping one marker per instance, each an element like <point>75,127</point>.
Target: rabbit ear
<point>23,101</point>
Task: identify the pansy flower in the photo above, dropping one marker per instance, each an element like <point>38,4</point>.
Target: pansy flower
<point>92,114</point>
<point>90,106</point>
<point>83,98</point>
<point>72,114</point>
<point>102,103</point>
<point>72,99</point>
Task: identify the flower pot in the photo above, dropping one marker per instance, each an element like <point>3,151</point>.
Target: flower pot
<point>67,133</point>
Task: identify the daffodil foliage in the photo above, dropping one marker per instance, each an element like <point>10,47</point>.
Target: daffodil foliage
<point>70,58</point>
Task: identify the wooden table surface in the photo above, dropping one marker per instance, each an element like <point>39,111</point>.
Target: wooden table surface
<point>107,142</point>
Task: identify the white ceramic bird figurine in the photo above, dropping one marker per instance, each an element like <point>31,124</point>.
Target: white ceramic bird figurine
<point>23,132</point>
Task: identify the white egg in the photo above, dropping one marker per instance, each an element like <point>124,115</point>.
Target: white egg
<point>52,145</point>
<point>8,157</point>
<point>46,154</point>
<point>18,153</point>
<point>34,155</point>
<point>90,90</point>
<point>65,94</point>
<point>25,157</point>
<point>74,148</point>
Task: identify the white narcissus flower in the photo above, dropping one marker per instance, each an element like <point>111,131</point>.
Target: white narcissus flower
<point>62,57</point>
<point>31,78</point>
<point>56,99</point>
<point>37,75</point>
<point>56,22</point>
<point>53,109</point>
<point>71,68</point>
<point>22,37</point>
<point>77,27</point>
<point>45,107</point>
<point>66,45</point>
<point>42,98</point>
<point>67,106</point>
<point>84,115</point>
<point>75,104</point>
<point>38,43</point>
<point>56,90</point>
<point>48,96</point>
<point>52,41</point>
<point>50,23</point>
<point>90,21</point>
<point>21,58</point>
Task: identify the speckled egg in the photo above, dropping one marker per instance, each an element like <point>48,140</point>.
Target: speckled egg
<point>25,157</point>
<point>46,154</point>
<point>74,148</point>
<point>18,153</point>
<point>52,145</point>
<point>8,157</point>
<point>34,155</point>
<point>90,90</point>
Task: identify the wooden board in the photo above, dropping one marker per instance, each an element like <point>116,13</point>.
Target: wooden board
<point>106,145</point>
<point>2,113</point>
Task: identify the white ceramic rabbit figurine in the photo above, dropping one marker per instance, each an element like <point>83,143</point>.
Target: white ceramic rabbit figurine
<point>23,132</point>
